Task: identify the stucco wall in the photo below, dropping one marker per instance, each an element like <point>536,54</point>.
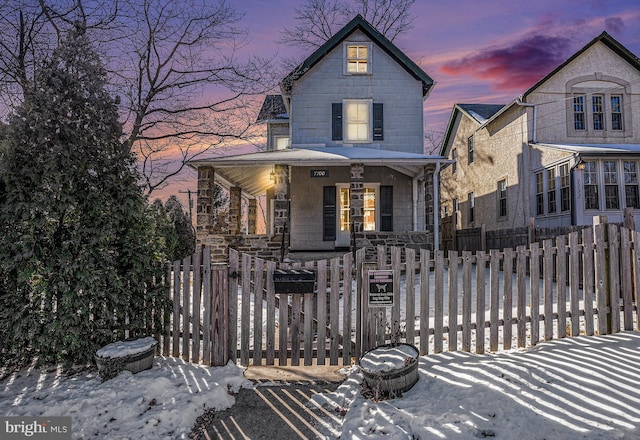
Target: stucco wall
<point>400,93</point>
<point>499,156</point>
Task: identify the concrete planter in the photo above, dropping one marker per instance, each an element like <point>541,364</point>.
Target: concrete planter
<point>134,356</point>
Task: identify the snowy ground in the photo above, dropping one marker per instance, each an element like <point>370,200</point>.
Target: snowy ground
<point>160,403</point>
<point>584,387</point>
<point>580,388</point>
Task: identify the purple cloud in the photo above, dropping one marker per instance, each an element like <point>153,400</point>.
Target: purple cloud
<point>515,67</point>
<point>614,24</point>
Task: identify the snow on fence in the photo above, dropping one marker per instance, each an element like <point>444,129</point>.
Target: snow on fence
<point>573,285</point>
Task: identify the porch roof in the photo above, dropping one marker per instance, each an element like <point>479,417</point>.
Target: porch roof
<point>595,149</point>
<point>251,171</point>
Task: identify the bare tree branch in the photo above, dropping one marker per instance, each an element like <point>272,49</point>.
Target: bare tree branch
<point>319,20</point>
<point>182,86</point>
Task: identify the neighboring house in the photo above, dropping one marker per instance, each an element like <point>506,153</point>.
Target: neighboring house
<point>344,167</point>
<point>564,151</point>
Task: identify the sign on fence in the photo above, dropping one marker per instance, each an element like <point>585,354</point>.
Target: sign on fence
<point>381,288</point>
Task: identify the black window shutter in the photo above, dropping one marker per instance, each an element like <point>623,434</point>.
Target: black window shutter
<point>386,208</point>
<point>329,213</point>
<point>336,121</point>
<point>378,122</point>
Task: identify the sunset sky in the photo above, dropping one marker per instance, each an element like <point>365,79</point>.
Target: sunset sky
<point>477,51</point>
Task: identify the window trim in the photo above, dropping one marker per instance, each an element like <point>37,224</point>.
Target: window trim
<point>346,59</point>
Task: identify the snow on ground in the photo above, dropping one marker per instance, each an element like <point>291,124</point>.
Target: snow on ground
<point>160,403</point>
<point>579,388</point>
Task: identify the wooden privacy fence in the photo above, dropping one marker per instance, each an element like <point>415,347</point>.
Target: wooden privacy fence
<point>580,284</point>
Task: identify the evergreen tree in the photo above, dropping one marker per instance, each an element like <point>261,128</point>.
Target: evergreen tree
<point>78,258</point>
<point>185,238</point>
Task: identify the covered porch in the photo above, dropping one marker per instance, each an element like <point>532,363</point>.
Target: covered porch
<point>321,199</point>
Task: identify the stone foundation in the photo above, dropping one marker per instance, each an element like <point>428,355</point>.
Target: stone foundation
<point>411,239</point>
<point>269,247</point>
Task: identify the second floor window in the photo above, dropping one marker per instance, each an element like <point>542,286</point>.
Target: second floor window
<point>281,142</point>
<point>578,112</point>
<point>597,112</point>
<point>357,128</point>
<point>470,149</point>
<point>616,112</point>
<point>357,120</point>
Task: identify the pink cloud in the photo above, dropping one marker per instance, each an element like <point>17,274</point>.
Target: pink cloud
<point>514,67</point>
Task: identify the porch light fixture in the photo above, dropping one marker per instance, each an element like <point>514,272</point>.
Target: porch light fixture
<point>581,165</point>
<point>272,175</point>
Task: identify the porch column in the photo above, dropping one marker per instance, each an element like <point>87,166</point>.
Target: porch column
<point>235,210</point>
<point>356,189</point>
<point>252,216</point>
<point>281,225</point>
<point>431,223</point>
<point>204,208</point>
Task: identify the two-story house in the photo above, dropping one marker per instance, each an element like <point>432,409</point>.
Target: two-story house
<point>344,167</point>
<point>564,151</point>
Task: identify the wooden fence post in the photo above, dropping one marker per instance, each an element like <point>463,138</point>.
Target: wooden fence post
<point>629,220</point>
<point>453,301</point>
<point>424,300</point>
<point>603,297</point>
<point>234,268</point>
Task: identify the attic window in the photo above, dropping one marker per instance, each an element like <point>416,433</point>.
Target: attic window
<point>357,58</point>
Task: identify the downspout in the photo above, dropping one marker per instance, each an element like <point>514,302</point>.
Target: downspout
<point>414,184</point>
<point>436,209</point>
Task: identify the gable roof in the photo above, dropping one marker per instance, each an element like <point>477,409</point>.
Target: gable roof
<point>480,113</point>
<point>603,38</point>
<point>272,108</point>
<point>359,23</point>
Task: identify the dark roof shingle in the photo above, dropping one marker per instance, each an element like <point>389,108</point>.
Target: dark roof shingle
<point>272,108</point>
